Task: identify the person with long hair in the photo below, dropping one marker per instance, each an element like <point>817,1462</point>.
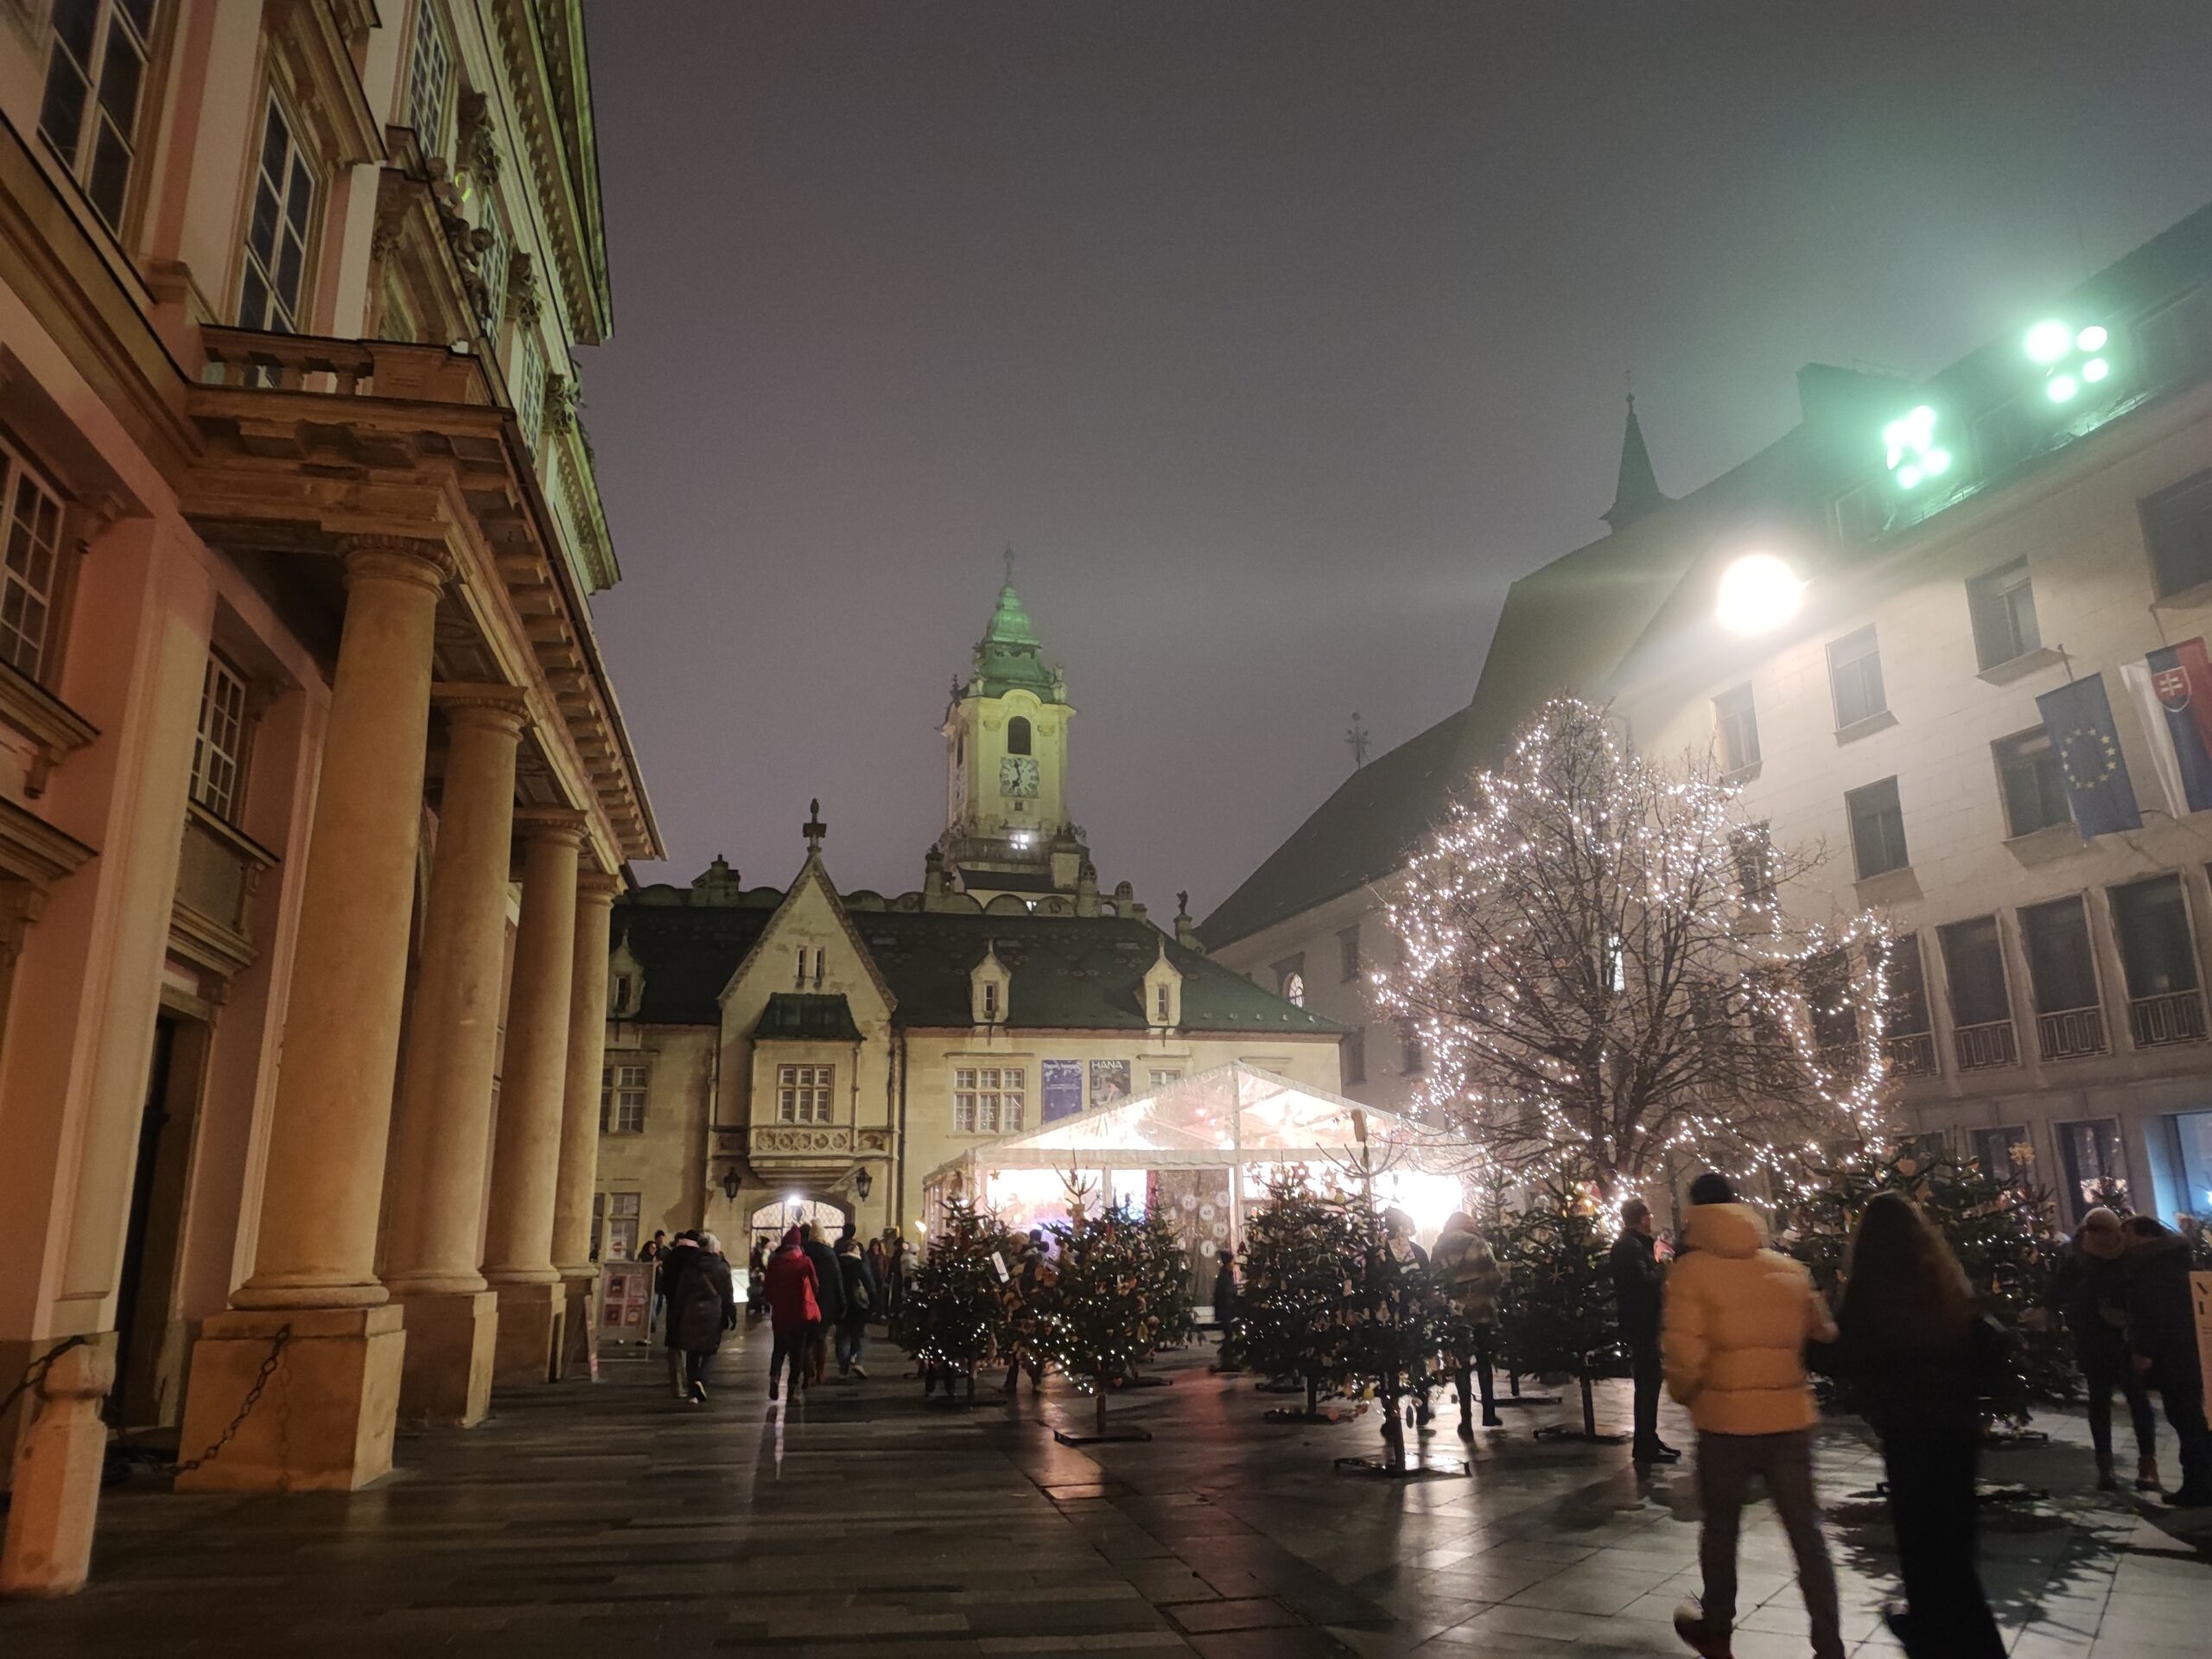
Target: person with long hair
<point>1923,1358</point>
<point>2162,1338</point>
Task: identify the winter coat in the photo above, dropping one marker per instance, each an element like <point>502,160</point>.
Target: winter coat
<point>1468,1272</point>
<point>858,1292</point>
<point>2092,1292</point>
<point>682,1253</point>
<point>1637,1279</point>
<point>829,1283</point>
<point>704,1306</point>
<point>790,1284</point>
<point>1941,1385</point>
<point>1225,1293</point>
<point>2161,1326</point>
<point>1737,1319</point>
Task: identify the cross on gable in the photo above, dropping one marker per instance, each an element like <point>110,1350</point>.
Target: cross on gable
<point>814,829</point>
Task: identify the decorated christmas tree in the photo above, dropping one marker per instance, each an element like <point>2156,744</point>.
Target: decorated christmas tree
<point>1107,1315</point>
<point>952,1312</point>
<point>1997,1228</point>
<point>1292,1309</point>
<point>1167,1288</point>
<point>1558,1316</point>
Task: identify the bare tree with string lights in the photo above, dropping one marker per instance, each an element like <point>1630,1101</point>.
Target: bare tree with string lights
<point>1601,967</point>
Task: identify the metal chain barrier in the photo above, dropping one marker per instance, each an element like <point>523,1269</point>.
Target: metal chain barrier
<point>246,1407</point>
<point>34,1373</point>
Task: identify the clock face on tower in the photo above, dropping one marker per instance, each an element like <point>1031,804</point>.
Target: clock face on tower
<point>1018,775</point>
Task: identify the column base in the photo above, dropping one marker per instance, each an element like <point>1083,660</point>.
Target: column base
<point>580,1335</point>
<point>325,1420</point>
<point>446,1378</point>
<point>56,1492</point>
<point>529,1348</point>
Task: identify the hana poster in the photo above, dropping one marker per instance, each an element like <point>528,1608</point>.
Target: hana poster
<point>1062,1088</point>
<point>1109,1083</point>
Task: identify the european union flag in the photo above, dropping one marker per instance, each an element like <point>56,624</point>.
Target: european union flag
<point>2079,719</point>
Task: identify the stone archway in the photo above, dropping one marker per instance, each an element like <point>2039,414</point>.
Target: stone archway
<point>770,1221</point>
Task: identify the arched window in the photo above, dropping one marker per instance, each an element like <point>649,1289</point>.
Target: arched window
<point>1017,735</point>
<point>1293,989</point>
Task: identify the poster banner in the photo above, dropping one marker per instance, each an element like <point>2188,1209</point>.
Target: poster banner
<point>1062,1088</point>
<point>1109,1083</point>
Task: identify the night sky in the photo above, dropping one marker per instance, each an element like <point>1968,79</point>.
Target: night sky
<point>1277,338</point>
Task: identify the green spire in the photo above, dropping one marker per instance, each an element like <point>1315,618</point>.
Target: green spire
<point>1009,654</point>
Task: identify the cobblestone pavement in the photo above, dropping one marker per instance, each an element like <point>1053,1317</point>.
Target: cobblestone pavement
<point>596,1519</point>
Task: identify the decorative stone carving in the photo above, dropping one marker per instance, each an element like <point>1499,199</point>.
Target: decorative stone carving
<point>564,394</point>
<point>523,303</point>
<point>479,150</point>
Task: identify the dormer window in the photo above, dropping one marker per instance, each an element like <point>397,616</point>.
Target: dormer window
<point>1161,1006</point>
<point>991,1001</point>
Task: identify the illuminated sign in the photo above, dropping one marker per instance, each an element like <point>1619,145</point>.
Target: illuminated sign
<point>1914,456</point>
<point>2070,358</point>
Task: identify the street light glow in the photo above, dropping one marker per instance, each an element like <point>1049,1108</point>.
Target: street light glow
<point>2049,341</point>
<point>2061,387</point>
<point>2093,338</point>
<point>1758,593</point>
<point>2096,368</point>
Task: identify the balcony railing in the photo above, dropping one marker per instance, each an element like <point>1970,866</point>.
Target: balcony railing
<point>1980,1047</point>
<point>806,1142</point>
<point>343,368</point>
<point>2070,1033</point>
<point>1911,1053</point>
<point>2175,1017</point>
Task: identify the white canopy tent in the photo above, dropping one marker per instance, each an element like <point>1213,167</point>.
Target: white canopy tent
<point>1234,1119</point>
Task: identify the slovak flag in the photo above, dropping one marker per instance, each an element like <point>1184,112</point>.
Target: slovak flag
<point>2173,688</point>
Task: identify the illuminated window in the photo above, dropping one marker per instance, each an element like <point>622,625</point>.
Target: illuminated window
<point>90,112</point>
<point>30,575</point>
<point>276,231</point>
<point>1855,677</point>
<point>1737,723</point>
<point>2033,780</point>
<point>616,1216</point>
<point>219,750</point>
<point>1293,989</point>
<point>429,80</point>
<point>1877,829</point>
<point>622,1099</point>
<point>989,1099</point>
<point>2002,605</point>
<point>803,1093</point>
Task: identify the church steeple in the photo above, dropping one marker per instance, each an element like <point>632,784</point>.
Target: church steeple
<point>1009,654</point>
<point>1637,494</point>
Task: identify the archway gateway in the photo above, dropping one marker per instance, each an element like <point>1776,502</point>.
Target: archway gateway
<point>771,1222</point>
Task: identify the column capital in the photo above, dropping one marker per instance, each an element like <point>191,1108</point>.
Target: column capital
<point>501,709</point>
<point>551,824</point>
<point>396,558</point>
<point>597,888</point>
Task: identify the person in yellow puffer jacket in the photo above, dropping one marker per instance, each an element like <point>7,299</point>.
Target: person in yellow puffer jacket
<point>1732,1338</point>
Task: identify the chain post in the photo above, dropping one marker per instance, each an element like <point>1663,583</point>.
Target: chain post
<point>246,1407</point>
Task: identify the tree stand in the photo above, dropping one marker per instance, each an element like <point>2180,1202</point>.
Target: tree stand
<point>1396,1463</point>
<point>1588,1432</point>
<point>1310,1412</point>
<point>968,1399</point>
<point>1100,1432</point>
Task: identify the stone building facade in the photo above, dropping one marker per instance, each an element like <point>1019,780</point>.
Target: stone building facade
<point>306,748</point>
<point>771,1049</point>
<point>1952,551</point>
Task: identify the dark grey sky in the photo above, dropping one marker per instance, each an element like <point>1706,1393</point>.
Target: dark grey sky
<point>1276,337</point>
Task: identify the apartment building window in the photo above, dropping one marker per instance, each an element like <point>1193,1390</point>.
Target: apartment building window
<point>1413,1054</point>
<point>989,1099</point>
<point>2003,1153</point>
<point>1737,724</point>
<point>622,1099</point>
<point>2063,973</point>
<point>1348,954</point>
<point>1353,1055</point>
<point>219,750</point>
<point>803,1093</point>
<point>2092,1169</point>
<point>1908,1039</point>
<point>1877,829</point>
<point>1830,1009</point>
<point>491,266</point>
<point>2177,529</point>
<point>530,391</point>
<point>1752,848</point>
<point>276,232</point>
<point>1982,1005</point>
<point>2151,920</point>
<point>1860,515</point>
<point>615,1218</point>
<point>30,576</point>
<point>1159,1079</point>
<point>2002,605</point>
<point>89,115</point>
<point>429,80</point>
<point>1855,678</point>
<point>2175,342</point>
<point>2033,781</point>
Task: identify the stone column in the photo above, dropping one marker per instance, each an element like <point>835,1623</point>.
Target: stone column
<point>526,1153</point>
<point>327,1422</point>
<point>579,1176</point>
<point>56,1484</point>
<point>434,1209</point>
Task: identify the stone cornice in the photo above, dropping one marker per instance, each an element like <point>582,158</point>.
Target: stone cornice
<point>52,725</point>
<point>33,850</point>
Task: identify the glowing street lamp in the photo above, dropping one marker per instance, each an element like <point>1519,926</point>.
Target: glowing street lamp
<point>2069,356</point>
<point>1758,593</point>
<point>1913,455</point>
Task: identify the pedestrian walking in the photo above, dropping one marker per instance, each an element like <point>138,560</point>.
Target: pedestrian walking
<point>1469,1274</point>
<point>1404,1278</point>
<point>682,1251</point>
<point>829,1296</point>
<point>794,1311</point>
<point>861,1296</point>
<point>1733,1334</point>
<point>1925,1359</point>
<point>2161,1342</point>
<point>654,1250</point>
<point>1225,1295</point>
<point>2091,1293</point>
<point>1639,1278</point>
<point>704,1307</point>
<point>756,1283</point>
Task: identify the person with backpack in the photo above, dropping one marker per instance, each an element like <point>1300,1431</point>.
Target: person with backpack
<point>1925,1358</point>
<point>704,1307</point>
<point>794,1312</point>
<point>1469,1274</point>
<point>862,1295</point>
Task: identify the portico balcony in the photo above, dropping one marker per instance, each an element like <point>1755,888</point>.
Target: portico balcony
<point>1992,1043</point>
<point>771,1144</point>
<point>2175,1017</point>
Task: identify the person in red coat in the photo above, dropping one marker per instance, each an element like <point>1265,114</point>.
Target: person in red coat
<point>794,1310</point>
